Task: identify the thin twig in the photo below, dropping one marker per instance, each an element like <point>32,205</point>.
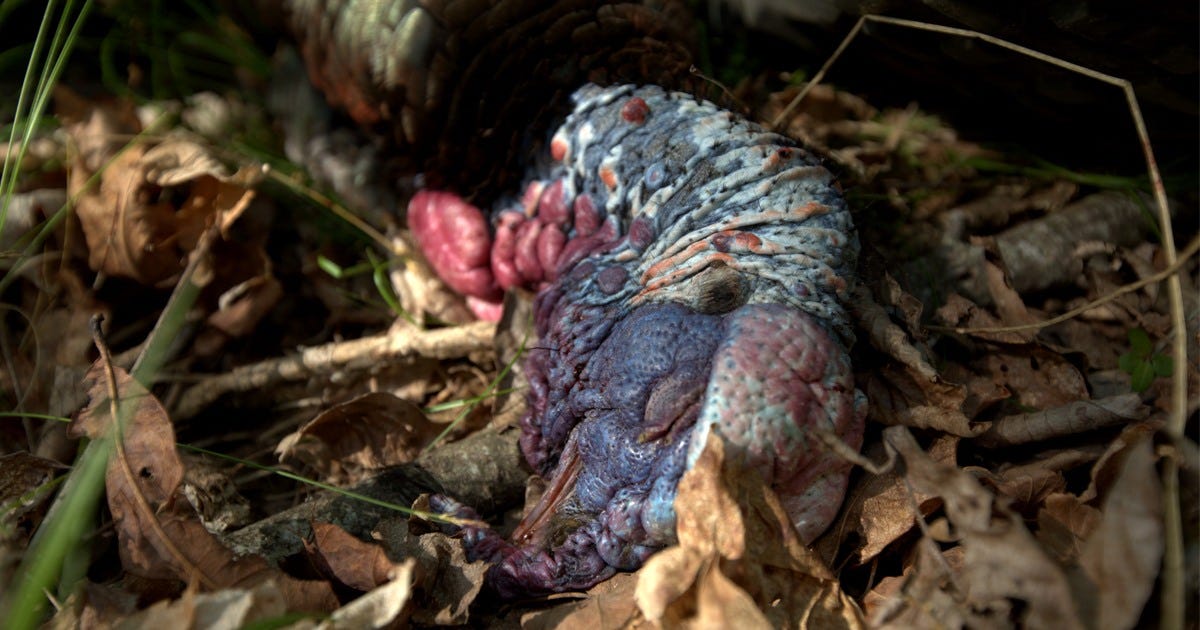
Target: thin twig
<point>1184,256</point>
<point>364,353</point>
<point>148,513</point>
<point>721,86</point>
<point>820,75</point>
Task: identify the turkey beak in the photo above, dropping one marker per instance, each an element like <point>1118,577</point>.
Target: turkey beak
<point>535,528</point>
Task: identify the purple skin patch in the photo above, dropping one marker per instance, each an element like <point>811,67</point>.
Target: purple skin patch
<point>691,270</point>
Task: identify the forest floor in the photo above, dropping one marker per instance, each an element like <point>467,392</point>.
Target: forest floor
<point>1028,459</point>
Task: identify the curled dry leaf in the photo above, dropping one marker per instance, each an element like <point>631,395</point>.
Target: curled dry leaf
<point>609,605</point>
<point>96,131</point>
<point>447,581</point>
<point>152,204</point>
<point>93,605</point>
<point>960,312</point>
<point>1008,302</point>
<point>127,232</point>
<point>357,564</point>
<point>901,396</point>
<point>1063,524</point>
<point>1030,483</point>
<point>878,508</point>
<point>241,307</point>
<point>227,608</point>
<point>146,441</point>
<point>1005,574</point>
<point>739,562</point>
<point>908,390</point>
<point>383,607</point>
<point>159,534</point>
<point>1108,466</point>
<point>442,581</point>
<point>421,293</point>
<point>26,210</point>
<point>919,598</point>
<point>1121,556</point>
<point>367,433</point>
<point>1038,377</point>
<point>885,335</point>
<point>820,113</point>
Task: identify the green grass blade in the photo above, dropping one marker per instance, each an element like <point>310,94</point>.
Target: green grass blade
<point>8,174</point>
<point>65,526</point>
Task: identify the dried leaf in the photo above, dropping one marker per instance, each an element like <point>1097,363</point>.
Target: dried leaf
<point>26,210</point>
<point>421,293</point>
<point>609,605</point>
<point>1122,555</point>
<point>213,191</point>
<point>97,129</point>
<point>1063,524</point>
<point>909,391</point>
<point>888,337</point>
<point>1028,486</point>
<point>878,508</point>
<point>1005,572</point>
<point>718,527</point>
<point>1108,466</point>
<point>901,397</point>
<point>383,607</point>
<point>175,162</point>
<point>1038,377</point>
<point>722,604</point>
<point>367,433</point>
<point>961,312</point>
<point>241,307</point>
<point>739,560</point>
<point>1008,302</point>
<point>136,231</point>
<point>448,583</point>
<point>1074,417</point>
<point>128,234</point>
<point>160,535</point>
<point>93,606</point>
<point>147,441</point>
<point>1031,482</point>
<point>228,608</point>
<point>357,564</point>
<point>923,597</point>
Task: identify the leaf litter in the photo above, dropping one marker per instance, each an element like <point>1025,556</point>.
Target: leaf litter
<point>1023,487</point>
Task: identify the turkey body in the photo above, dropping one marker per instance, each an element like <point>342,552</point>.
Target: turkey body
<point>691,270</point>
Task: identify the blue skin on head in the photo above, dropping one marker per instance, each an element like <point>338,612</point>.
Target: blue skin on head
<point>713,308</point>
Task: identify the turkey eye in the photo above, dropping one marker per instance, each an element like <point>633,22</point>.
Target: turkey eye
<point>720,290</point>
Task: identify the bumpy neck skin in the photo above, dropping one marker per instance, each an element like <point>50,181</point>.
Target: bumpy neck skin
<point>691,286</point>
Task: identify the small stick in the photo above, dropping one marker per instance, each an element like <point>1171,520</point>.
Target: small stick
<point>443,343</point>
